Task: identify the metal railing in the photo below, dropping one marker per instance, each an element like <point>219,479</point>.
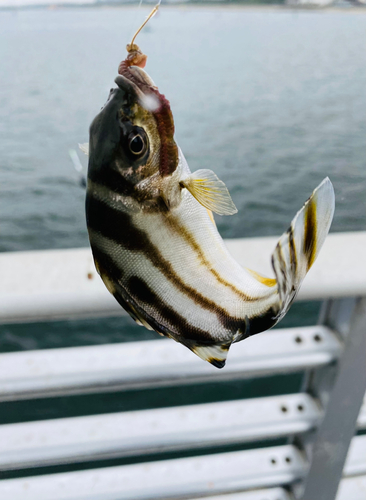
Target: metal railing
<point>319,422</point>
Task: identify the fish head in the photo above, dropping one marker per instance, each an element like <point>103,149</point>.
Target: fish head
<point>132,136</point>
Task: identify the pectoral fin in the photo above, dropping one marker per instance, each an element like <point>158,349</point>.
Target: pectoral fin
<point>84,148</point>
<point>208,190</point>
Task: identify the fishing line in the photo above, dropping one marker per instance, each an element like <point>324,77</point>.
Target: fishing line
<point>136,16</point>
<point>150,16</point>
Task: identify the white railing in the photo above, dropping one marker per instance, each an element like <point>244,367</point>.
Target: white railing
<point>36,286</point>
<point>52,284</point>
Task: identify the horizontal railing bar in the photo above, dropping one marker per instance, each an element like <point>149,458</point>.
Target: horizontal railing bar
<point>350,488</point>
<point>58,284</point>
<point>267,494</point>
<point>115,367</point>
<point>71,440</point>
<point>89,438</point>
<point>185,477</point>
<point>221,473</point>
<point>356,459</point>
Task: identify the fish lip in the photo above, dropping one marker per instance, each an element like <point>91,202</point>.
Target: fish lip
<point>127,86</point>
<point>148,101</point>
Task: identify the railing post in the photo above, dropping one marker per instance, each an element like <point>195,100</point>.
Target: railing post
<point>332,440</point>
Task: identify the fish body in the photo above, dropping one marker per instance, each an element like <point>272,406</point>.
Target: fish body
<point>155,244</point>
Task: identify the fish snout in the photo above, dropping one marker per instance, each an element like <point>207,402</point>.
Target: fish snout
<point>128,87</point>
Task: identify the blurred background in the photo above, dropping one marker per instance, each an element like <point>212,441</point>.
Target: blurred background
<point>270,97</point>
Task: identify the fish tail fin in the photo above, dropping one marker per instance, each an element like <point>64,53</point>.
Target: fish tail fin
<point>298,248</point>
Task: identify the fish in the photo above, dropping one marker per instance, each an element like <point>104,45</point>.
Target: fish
<point>153,237</point>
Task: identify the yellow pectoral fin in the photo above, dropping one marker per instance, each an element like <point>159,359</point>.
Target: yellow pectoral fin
<point>208,190</point>
<point>262,279</point>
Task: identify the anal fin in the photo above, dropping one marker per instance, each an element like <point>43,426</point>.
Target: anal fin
<point>214,354</point>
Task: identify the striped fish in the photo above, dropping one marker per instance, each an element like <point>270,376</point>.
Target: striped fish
<point>152,234</point>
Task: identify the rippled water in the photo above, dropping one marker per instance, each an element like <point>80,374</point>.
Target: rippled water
<point>271,100</point>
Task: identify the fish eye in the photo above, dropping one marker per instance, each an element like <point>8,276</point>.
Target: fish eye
<point>136,143</point>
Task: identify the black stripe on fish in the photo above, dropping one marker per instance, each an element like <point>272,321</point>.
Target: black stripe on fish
<point>262,322</point>
<point>257,324</point>
<point>105,264</point>
<point>185,331</point>
<point>117,226</point>
<point>113,180</point>
<point>310,230</point>
<point>137,289</point>
<point>292,251</point>
<point>283,267</point>
<point>110,273</point>
<point>197,337</point>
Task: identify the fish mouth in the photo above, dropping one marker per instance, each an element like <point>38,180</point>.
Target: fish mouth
<point>128,86</point>
<point>135,79</point>
<point>148,100</point>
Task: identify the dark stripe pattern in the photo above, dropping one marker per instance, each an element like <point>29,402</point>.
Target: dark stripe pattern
<point>118,226</point>
<point>292,252</point>
<point>183,331</point>
<point>113,180</point>
<point>145,295</point>
<point>310,231</point>
<point>261,323</point>
<point>282,265</point>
